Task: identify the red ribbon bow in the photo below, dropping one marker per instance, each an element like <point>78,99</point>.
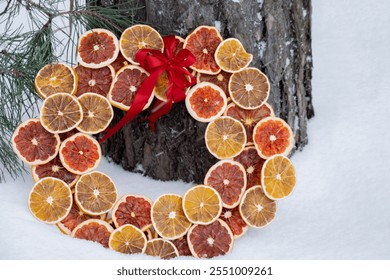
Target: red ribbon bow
<point>155,62</point>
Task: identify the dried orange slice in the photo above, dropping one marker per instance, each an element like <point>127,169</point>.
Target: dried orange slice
<point>273,136</point>
<point>249,88</point>
<point>50,200</point>
<point>203,42</point>
<point>168,217</point>
<point>161,248</point>
<point>206,102</point>
<point>119,62</point>
<point>236,223</point>
<point>182,246</point>
<point>253,163</point>
<point>61,112</point>
<point>54,78</point>
<point>125,86</point>
<point>33,144</point>
<point>161,87</point>
<point>94,230</point>
<point>133,209</point>
<point>97,113</point>
<point>95,193</point>
<point>80,153</point>
<point>208,241</point>
<point>151,233</point>
<point>202,205</point>
<point>231,56</point>
<point>256,209</point>
<point>249,118</point>
<point>278,177</point>
<point>138,37</point>
<point>128,239</point>
<point>94,80</point>
<point>221,80</point>
<point>97,48</point>
<point>228,177</point>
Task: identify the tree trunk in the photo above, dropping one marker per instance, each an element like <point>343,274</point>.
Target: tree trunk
<point>276,32</point>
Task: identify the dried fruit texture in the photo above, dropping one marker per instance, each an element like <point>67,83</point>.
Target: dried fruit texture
<point>236,223</point>
<point>202,43</point>
<point>161,248</point>
<point>229,179</point>
<point>182,246</point>
<point>231,56</point>
<point>97,48</point>
<point>206,102</point>
<point>225,137</point>
<point>253,163</point>
<point>94,230</point>
<point>256,209</point>
<point>138,37</point>
<point>208,241</point>
<point>221,80</point>
<point>66,135</point>
<point>249,88</point>
<point>278,177</point>
<point>151,233</point>
<point>119,62</point>
<point>273,136</point>
<point>133,209</point>
<point>50,200</point>
<point>33,144</point>
<point>128,239</point>
<point>94,80</point>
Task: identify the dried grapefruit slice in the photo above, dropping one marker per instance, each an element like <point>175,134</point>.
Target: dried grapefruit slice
<point>228,177</point>
<point>94,80</point>
<point>97,48</point>
<point>278,177</point>
<point>235,222</point>
<point>221,80</point>
<point>50,200</point>
<point>202,205</point>
<point>138,37</point>
<point>80,153</point>
<point>273,136</point>
<point>97,113</point>
<point>206,102</point>
<point>182,246</point>
<point>231,56</point>
<point>168,217</point>
<point>161,248</point>
<point>66,135</point>
<point>133,209</point>
<point>33,144</point>
<point>253,163</point>
<point>203,42</point>
<point>128,239</point>
<point>225,137</point>
<point>94,230</point>
<point>95,193</point>
<point>119,62</point>
<point>256,209</point>
<point>208,241</point>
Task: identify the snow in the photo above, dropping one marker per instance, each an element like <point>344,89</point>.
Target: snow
<point>340,208</point>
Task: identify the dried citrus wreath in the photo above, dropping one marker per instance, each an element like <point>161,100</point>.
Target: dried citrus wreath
<point>252,144</point>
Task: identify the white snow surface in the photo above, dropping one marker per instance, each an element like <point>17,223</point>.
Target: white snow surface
<point>340,208</point>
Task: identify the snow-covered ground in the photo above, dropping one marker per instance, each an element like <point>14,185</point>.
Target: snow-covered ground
<point>341,206</point>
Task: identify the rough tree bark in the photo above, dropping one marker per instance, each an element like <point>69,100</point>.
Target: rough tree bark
<point>276,32</point>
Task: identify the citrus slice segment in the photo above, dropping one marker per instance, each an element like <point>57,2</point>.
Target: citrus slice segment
<point>225,137</point>
<point>50,200</point>
<point>97,113</point>
<point>221,80</point>
<point>231,56</point>
<point>278,177</point>
<point>206,102</point>
<point>128,239</point>
<point>249,88</point>
<point>208,241</point>
<point>256,209</point>
<point>119,62</point>
<point>54,78</point>
<point>61,112</point>
<point>80,153</point>
<point>94,230</point>
<point>94,80</point>
<point>138,37</point>
<point>125,86</point>
<point>202,43</point>
<point>168,217</point>
<point>133,209</point>
<point>34,144</point>
<point>273,136</point>
<point>97,48</point>
<point>236,223</point>
<point>202,205</point>
<point>95,193</point>
<point>182,246</point>
<point>228,177</point>
<point>161,248</point>
<point>151,233</point>
<point>253,163</point>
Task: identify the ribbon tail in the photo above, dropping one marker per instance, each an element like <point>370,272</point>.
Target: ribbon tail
<point>159,110</point>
